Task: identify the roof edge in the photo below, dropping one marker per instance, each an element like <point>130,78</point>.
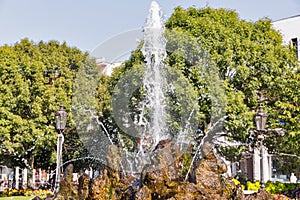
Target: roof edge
<point>294,16</point>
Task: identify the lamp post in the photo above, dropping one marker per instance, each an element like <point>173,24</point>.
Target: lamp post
<point>61,120</point>
<point>261,120</point>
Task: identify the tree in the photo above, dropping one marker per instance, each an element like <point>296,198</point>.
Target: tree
<point>34,80</point>
<point>255,65</point>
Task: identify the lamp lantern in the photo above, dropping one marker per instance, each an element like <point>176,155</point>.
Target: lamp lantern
<point>261,120</point>
<point>61,117</point>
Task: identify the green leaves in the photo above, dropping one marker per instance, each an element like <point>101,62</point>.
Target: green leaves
<point>256,66</point>
<point>34,80</point>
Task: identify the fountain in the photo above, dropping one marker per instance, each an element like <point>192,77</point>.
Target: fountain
<point>166,163</point>
<point>150,122</point>
<point>154,50</point>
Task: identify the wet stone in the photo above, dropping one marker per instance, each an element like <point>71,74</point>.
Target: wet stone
<point>163,179</point>
<point>66,188</point>
<point>83,186</point>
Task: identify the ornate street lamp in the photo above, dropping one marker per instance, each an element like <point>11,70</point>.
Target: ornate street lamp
<point>261,120</point>
<point>61,117</point>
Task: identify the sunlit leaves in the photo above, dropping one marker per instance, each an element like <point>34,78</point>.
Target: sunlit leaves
<point>34,80</point>
<point>257,67</point>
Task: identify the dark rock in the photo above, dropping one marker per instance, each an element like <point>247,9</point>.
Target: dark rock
<point>163,178</point>
<point>208,173</point>
<point>143,194</point>
<point>101,188</point>
<point>66,188</point>
<point>83,186</point>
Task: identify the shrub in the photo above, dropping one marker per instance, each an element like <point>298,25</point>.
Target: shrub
<point>279,187</point>
<point>22,192</point>
<point>253,186</point>
<point>237,182</point>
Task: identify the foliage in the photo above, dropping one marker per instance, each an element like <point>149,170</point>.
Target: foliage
<point>285,164</point>
<point>242,178</point>
<point>276,188</point>
<point>253,186</point>
<point>186,163</point>
<point>279,187</point>
<point>26,192</point>
<point>237,182</point>
<point>34,80</point>
<point>257,69</point>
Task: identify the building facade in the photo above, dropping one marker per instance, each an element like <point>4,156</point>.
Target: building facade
<point>290,31</point>
<point>250,165</point>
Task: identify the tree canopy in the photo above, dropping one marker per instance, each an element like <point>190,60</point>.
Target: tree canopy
<point>257,69</point>
<point>34,80</point>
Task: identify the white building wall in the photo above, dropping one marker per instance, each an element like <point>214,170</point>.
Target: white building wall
<point>108,70</point>
<point>290,29</point>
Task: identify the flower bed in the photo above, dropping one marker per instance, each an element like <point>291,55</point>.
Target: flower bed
<point>281,191</point>
<point>23,192</point>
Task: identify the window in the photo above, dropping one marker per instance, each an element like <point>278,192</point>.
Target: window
<point>295,45</point>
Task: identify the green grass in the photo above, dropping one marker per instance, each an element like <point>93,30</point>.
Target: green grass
<point>16,198</point>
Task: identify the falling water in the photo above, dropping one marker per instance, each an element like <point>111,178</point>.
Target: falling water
<point>154,50</point>
<point>157,81</point>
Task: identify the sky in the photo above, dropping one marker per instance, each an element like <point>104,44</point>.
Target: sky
<point>87,23</point>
